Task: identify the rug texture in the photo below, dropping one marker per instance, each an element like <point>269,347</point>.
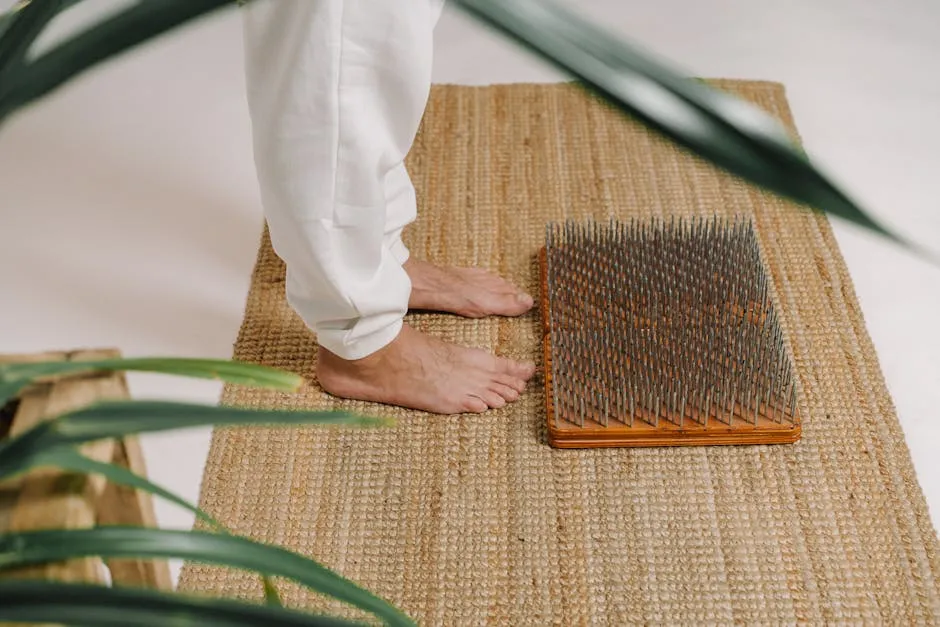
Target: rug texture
<point>475,520</point>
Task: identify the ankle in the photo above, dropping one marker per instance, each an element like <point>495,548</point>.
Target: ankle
<point>331,362</point>
<point>335,374</point>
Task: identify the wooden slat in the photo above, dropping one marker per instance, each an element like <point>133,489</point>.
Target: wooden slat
<point>125,506</point>
<point>52,499</point>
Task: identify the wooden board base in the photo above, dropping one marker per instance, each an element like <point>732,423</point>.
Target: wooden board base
<point>567,433</point>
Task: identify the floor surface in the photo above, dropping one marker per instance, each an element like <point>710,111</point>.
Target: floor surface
<point>131,215</point>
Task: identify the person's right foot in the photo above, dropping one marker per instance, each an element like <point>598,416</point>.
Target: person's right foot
<point>418,371</point>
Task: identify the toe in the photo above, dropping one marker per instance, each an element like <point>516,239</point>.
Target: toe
<point>475,404</point>
<point>508,393</point>
<point>523,370</point>
<point>492,398</point>
<point>494,368</point>
<point>509,381</point>
<point>513,304</point>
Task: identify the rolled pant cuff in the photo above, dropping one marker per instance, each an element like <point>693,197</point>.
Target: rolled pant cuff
<point>338,343</point>
<point>399,251</point>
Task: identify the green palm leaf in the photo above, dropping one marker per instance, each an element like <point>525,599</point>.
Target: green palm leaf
<point>724,130</point>
<point>137,24</point>
<point>97,606</point>
<point>22,26</point>
<point>36,547</point>
<point>119,418</point>
<point>46,10</point>
<point>718,127</point>
<point>17,375</point>
<point>71,460</point>
<point>10,389</point>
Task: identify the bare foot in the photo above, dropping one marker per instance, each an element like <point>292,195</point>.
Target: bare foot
<point>470,292</point>
<point>418,371</point>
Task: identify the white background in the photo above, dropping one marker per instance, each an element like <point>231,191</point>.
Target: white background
<point>130,213</point>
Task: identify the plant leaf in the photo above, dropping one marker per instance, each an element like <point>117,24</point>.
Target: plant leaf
<point>33,547</point>
<point>21,27</point>
<point>135,25</point>
<point>97,606</point>
<point>271,595</point>
<point>71,460</point>
<point>718,127</point>
<point>6,19</point>
<point>67,458</point>
<point>229,371</point>
<point>9,390</point>
<point>725,130</point>
<point>10,16</point>
<point>119,418</point>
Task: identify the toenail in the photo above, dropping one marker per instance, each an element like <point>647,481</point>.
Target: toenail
<point>525,299</point>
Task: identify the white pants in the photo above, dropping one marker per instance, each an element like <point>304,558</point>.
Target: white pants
<point>336,91</point>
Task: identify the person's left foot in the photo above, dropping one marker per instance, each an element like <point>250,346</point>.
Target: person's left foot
<point>470,292</point>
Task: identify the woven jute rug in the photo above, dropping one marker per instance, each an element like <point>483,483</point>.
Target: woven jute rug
<point>475,520</point>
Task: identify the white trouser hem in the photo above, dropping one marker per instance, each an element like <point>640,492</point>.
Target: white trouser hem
<point>337,342</point>
<point>399,251</point>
